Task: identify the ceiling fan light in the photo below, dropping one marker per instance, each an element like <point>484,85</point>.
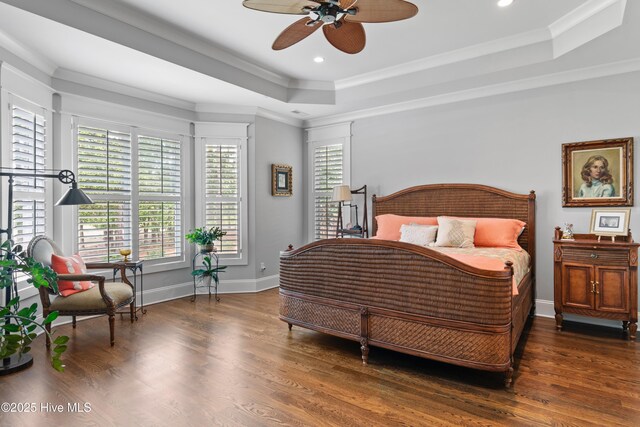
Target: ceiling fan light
<point>504,3</point>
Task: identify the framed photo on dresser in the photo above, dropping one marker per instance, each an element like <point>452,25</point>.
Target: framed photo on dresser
<point>610,222</point>
<point>598,173</point>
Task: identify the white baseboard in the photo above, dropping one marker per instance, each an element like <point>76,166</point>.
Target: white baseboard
<point>544,308</point>
<point>181,290</point>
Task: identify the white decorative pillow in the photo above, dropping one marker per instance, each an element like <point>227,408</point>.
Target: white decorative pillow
<point>455,232</point>
<point>423,235</point>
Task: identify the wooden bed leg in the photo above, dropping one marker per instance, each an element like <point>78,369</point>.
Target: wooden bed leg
<point>364,348</point>
<point>290,326</point>
<point>508,377</point>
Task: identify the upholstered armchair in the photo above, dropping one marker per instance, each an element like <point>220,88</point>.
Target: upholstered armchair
<point>106,298</point>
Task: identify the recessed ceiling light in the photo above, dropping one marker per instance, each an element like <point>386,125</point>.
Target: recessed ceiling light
<point>318,59</point>
<point>504,3</point>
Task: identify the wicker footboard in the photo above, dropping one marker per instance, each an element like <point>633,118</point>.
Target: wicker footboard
<point>486,348</point>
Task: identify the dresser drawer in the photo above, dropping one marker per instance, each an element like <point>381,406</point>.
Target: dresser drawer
<point>596,256</point>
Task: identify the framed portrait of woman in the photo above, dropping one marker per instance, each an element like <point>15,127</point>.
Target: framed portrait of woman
<point>598,173</point>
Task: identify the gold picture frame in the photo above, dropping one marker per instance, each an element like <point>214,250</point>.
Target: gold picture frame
<point>281,180</point>
<point>598,173</point>
<point>610,222</point>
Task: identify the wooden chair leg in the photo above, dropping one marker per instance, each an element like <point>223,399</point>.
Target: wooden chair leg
<point>112,322</point>
<point>73,321</point>
<point>132,309</point>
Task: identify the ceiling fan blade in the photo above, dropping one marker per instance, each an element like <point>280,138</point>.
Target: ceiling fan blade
<point>382,11</point>
<point>346,4</point>
<point>348,37</point>
<point>294,33</point>
<point>291,7</point>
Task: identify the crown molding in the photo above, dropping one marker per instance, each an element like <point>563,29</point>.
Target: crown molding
<point>38,61</point>
<point>63,74</point>
<point>569,23</point>
<point>447,58</point>
<point>585,23</point>
<point>552,79</point>
<point>223,109</point>
<point>581,14</point>
<point>268,114</point>
<point>135,18</point>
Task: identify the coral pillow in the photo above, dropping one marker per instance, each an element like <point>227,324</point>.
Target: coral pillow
<point>497,232</point>
<point>389,224</point>
<point>70,265</point>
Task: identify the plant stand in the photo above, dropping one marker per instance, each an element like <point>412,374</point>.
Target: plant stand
<point>199,282</point>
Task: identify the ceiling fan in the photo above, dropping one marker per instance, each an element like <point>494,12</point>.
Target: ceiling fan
<point>341,20</point>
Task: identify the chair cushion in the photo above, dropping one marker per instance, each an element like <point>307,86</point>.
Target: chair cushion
<point>91,299</point>
<point>70,265</point>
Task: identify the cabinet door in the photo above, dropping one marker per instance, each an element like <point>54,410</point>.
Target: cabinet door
<point>612,289</point>
<point>576,286</point>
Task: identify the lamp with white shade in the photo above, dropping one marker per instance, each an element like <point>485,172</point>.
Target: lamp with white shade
<point>341,194</point>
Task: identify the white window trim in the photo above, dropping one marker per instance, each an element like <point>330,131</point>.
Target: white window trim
<point>319,137</point>
<point>6,160</point>
<point>155,265</point>
<point>224,133</point>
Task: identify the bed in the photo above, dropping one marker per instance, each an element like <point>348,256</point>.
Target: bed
<point>414,299</point>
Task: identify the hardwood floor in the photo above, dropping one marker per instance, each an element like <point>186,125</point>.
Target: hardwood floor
<point>235,363</point>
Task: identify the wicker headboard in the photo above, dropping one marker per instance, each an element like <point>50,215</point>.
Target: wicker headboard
<point>471,200</point>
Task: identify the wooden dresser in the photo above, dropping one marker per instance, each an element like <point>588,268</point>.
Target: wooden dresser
<point>597,279</point>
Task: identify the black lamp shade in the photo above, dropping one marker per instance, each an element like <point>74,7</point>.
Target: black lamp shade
<point>74,196</point>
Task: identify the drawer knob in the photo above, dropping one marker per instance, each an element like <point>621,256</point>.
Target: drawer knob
<point>594,256</point>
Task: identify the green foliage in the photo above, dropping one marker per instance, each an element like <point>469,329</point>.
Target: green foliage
<point>208,270</point>
<point>19,324</point>
<point>205,236</point>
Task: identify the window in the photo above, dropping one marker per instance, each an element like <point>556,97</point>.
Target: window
<point>328,160</point>
<point>327,173</point>
<point>104,172</point>
<point>222,194</point>
<point>221,186</point>
<point>28,148</point>
<point>159,213</point>
<point>136,184</point>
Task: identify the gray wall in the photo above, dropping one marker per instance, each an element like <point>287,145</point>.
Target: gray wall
<point>279,220</point>
<point>511,141</point>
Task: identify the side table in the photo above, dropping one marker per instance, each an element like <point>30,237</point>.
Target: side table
<point>133,266</point>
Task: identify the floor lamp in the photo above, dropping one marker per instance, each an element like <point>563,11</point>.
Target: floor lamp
<point>73,196</point>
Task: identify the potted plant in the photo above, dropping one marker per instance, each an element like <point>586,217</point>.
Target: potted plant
<point>205,238</point>
<point>208,272</point>
<point>18,325</point>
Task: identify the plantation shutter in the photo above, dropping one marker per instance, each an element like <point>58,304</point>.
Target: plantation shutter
<point>104,172</point>
<point>28,149</point>
<point>222,194</point>
<point>159,207</point>
<point>327,173</point>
